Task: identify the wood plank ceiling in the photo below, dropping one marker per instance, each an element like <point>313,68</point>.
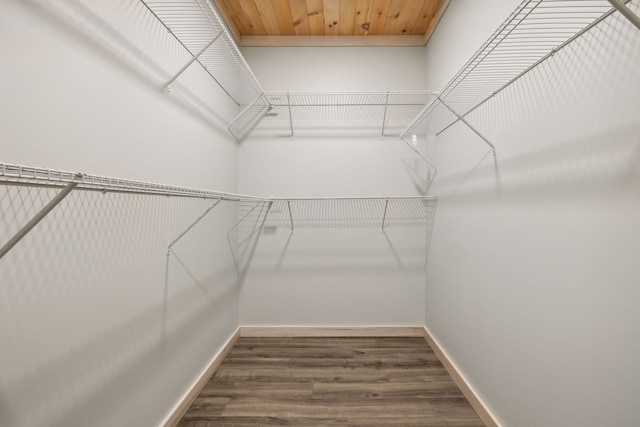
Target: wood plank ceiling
<point>331,22</point>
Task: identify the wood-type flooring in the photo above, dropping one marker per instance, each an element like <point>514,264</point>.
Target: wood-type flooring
<point>331,382</point>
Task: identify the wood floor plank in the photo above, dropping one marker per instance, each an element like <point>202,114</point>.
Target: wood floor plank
<point>363,381</point>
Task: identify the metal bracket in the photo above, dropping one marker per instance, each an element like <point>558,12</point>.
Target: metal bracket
<point>384,215</point>
<point>290,116</point>
<point>38,217</point>
<point>290,215</point>
<point>191,61</point>
<point>192,225</point>
<point>384,116</point>
<point>628,13</point>
<point>233,256</point>
<point>469,125</point>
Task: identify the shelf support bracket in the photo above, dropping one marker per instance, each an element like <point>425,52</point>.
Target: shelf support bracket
<point>628,13</point>
<point>290,216</point>
<point>191,61</point>
<point>37,218</point>
<point>290,116</point>
<point>193,224</point>
<point>384,116</point>
<point>469,125</point>
<point>384,215</point>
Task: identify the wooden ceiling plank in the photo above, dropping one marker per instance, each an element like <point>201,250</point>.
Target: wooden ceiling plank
<point>315,15</point>
<point>347,17</point>
<point>408,17</point>
<point>283,16</point>
<point>258,41</point>
<point>391,24</point>
<point>300,19</point>
<point>378,17</point>
<point>268,17</point>
<point>363,17</point>
<point>331,17</point>
<point>442,8</point>
<point>228,18</point>
<point>429,9</point>
<point>253,17</point>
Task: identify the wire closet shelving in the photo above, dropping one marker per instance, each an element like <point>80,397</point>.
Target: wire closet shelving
<point>257,212</point>
<point>197,27</point>
<point>535,31</point>
<point>310,113</point>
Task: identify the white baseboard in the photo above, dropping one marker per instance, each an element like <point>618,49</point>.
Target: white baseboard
<point>481,408</point>
<point>310,331</point>
<point>190,396</point>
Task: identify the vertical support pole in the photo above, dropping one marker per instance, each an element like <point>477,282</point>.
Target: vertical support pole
<point>191,61</point>
<point>463,120</point>
<point>624,10</point>
<point>290,216</point>
<point>384,117</point>
<point>37,218</point>
<point>290,116</point>
<point>384,215</point>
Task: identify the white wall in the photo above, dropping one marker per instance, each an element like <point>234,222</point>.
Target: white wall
<point>99,327</point>
<point>343,276</point>
<point>532,274</point>
<point>337,69</point>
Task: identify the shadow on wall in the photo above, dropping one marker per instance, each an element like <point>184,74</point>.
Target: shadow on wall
<point>569,126</point>
<point>128,34</point>
<point>94,325</point>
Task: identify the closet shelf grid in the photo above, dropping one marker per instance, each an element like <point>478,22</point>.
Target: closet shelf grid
<point>198,28</point>
<point>275,212</point>
<point>362,113</point>
<point>534,32</point>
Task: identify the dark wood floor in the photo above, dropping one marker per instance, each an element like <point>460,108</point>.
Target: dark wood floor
<point>331,381</point>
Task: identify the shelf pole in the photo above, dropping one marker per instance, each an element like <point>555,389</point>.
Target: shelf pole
<point>384,117</point>
<point>384,215</point>
<point>470,126</point>
<point>290,117</point>
<point>290,216</point>
<point>37,218</point>
<point>193,224</point>
<point>192,60</point>
<point>628,13</point>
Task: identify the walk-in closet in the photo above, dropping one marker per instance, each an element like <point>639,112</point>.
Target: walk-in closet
<point>319,212</point>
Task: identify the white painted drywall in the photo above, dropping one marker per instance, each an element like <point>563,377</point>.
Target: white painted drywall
<point>337,69</point>
<point>334,276</point>
<point>99,326</point>
<point>532,278</point>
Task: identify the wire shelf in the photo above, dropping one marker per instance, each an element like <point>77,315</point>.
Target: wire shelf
<point>357,113</point>
<point>11,174</point>
<point>353,212</point>
<point>305,212</point>
<point>199,28</point>
<point>534,32</point>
